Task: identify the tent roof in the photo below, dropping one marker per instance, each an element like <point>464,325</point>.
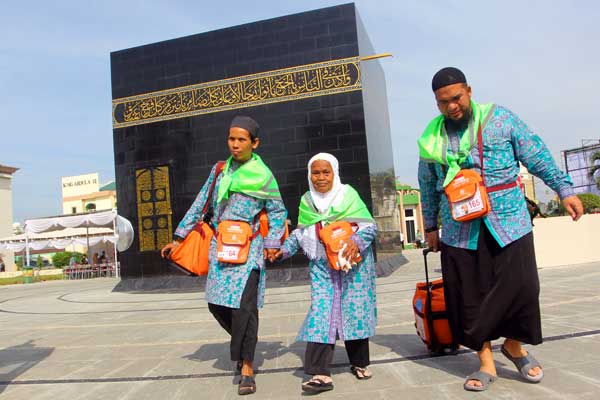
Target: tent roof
<point>64,233</point>
<point>91,219</point>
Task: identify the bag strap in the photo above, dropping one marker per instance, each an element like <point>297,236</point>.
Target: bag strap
<point>480,148</point>
<point>219,168</point>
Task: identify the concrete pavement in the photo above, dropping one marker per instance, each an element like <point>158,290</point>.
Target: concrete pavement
<point>80,340</point>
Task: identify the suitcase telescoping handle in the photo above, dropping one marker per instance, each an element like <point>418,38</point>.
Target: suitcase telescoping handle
<point>425,252</point>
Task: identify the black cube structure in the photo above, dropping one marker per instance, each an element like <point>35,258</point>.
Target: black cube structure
<point>300,76</point>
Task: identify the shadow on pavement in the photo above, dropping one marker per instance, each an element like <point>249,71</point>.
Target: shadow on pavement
<point>15,360</point>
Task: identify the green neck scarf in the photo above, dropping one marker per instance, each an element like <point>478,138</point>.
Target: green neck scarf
<point>252,178</point>
<point>351,209</point>
<point>433,143</point>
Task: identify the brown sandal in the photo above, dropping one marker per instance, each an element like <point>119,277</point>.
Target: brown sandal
<point>361,373</point>
<point>247,385</point>
<point>316,385</point>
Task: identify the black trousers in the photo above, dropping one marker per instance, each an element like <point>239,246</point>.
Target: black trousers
<point>492,292</point>
<point>318,356</point>
<point>241,323</point>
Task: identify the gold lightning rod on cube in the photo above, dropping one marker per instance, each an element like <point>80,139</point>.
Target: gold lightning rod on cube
<point>374,56</point>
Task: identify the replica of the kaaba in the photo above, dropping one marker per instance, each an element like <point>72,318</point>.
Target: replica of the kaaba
<point>300,76</point>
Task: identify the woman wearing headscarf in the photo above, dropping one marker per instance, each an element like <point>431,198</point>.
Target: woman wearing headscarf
<point>235,291</point>
<point>343,303</point>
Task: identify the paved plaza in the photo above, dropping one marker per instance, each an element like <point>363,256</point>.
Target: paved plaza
<point>80,340</point>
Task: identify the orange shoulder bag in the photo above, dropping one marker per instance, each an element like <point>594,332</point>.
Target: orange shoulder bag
<point>467,193</point>
<point>263,219</point>
<point>192,253</point>
<point>333,237</point>
<point>233,241</point>
<point>235,237</point>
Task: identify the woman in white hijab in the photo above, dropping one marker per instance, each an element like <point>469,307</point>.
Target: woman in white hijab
<point>343,303</point>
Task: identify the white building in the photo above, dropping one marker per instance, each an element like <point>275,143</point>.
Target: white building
<point>84,193</point>
<point>6,213</point>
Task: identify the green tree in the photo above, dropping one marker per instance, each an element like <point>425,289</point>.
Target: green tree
<point>62,259</point>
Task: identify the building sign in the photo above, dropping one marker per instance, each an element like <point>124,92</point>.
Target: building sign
<point>275,86</point>
<point>80,184</point>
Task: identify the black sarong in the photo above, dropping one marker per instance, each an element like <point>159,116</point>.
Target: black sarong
<point>241,323</point>
<point>318,356</point>
<point>492,292</point>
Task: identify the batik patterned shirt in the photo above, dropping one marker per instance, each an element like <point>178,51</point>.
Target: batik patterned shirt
<point>343,305</point>
<point>507,140</point>
<point>225,282</point>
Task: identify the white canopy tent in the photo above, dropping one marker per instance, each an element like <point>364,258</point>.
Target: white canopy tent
<point>59,232</point>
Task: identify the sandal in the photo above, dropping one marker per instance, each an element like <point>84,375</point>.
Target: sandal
<point>247,385</point>
<point>481,376</point>
<point>361,373</point>
<point>524,364</point>
<point>316,385</point>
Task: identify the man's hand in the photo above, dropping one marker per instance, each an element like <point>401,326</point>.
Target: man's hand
<point>573,206</point>
<point>270,254</point>
<point>433,240</point>
<point>166,251</point>
<point>351,251</point>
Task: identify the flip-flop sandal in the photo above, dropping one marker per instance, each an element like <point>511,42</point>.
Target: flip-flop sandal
<point>481,376</point>
<point>361,373</point>
<point>524,364</point>
<point>247,385</point>
<point>316,385</point>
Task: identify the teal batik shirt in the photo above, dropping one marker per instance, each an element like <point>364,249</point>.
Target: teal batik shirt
<point>507,140</point>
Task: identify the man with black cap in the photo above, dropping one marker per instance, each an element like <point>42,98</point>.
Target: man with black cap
<point>468,170</point>
<point>235,287</point>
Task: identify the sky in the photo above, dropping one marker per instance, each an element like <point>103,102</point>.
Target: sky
<point>539,60</point>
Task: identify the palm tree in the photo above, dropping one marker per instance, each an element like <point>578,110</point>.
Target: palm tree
<point>595,160</point>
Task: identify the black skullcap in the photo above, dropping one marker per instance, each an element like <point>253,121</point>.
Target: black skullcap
<point>447,76</point>
<point>247,123</point>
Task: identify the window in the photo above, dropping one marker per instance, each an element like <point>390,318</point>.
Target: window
<point>73,210</point>
<point>409,212</point>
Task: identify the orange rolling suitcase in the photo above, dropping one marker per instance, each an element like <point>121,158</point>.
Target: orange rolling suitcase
<point>431,319</point>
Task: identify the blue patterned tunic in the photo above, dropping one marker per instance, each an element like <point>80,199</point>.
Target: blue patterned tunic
<point>506,141</point>
<point>225,283</point>
<point>343,304</point>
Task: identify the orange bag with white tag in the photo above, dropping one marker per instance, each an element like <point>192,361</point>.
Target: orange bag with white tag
<point>333,237</point>
<point>233,241</point>
<point>467,196</point>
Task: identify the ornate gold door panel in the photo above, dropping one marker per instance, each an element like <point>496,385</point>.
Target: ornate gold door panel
<point>154,207</point>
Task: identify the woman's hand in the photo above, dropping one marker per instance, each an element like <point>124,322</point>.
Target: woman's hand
<point>351,251</point>
<point>166,251</point>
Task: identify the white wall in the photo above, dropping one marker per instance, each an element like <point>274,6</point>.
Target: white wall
<point>6,218</point>
<point>560,241</point>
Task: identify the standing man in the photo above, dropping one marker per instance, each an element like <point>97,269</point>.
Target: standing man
<point>490,275</point>
<point>235,291</point>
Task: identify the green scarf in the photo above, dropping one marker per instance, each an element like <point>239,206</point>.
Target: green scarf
<point>433,143</point>
<point>351,209</point>
<point>252,178</point>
